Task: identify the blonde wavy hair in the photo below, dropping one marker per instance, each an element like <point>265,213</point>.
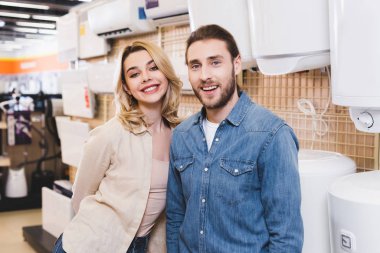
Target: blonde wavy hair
<point>127,109</point>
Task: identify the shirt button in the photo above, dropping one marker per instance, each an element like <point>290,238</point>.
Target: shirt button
<point>217,139</point>
<point>236,170</point>
<point>181,167</point>
<point>203,200</point>
<point>204,139</point>
<point>201,232</point>
<point>206,169</point>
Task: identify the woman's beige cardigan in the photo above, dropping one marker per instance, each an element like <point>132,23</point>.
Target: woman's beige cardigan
<point>111,190</point>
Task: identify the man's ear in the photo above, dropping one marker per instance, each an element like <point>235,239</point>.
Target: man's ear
<point>237,64</point>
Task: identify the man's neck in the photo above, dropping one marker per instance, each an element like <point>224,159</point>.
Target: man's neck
<point>219,114</point>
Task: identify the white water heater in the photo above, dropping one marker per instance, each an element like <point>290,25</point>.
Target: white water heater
<point>355,60</point>
<point>318,169</point>
<point>289,36</point>
<point>354,209</point>
<point>229,14</point>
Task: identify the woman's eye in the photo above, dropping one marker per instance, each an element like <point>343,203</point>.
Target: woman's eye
<point>154,68</point>
<point>133,75</point>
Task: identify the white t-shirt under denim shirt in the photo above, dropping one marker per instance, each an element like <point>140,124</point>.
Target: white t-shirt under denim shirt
<point>210,130</point>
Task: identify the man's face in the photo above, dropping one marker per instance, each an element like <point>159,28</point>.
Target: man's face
<point>212,72</point>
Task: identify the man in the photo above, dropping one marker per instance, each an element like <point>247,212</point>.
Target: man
<point>233,180</point>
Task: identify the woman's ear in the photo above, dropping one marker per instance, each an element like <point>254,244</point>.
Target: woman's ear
<point>125,88</point>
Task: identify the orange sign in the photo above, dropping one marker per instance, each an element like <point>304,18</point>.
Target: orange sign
<point>31,65</point>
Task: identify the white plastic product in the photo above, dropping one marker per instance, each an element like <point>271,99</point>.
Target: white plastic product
<point>289,36</point>
<point>229,14</point>
<point>16,186</point>
<point>354,209</point>
<point>355,60</point>
<point>57,211</point>
<point>318,169</point>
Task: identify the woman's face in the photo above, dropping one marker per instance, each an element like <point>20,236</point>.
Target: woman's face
<point>145,82</point>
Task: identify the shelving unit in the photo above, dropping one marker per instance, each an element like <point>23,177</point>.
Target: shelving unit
<point>40,240</point>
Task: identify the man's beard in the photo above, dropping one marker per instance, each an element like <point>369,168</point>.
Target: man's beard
<point>224,97</point>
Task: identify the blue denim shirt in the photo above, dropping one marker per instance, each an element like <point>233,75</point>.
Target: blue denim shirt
<point>242,196</point>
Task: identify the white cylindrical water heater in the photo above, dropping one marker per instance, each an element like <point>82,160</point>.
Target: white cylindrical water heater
<point>318,169</point>
<point>354,209</point>
<point>355,60</point>
<point>289,36</point>
<point>229,14</point>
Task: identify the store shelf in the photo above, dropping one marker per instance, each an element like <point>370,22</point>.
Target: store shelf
<point>5,161</point>
<point>12,204</point>
<point>40,240</point>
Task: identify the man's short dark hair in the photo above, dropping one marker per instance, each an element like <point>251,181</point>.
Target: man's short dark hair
<point>213,32</point>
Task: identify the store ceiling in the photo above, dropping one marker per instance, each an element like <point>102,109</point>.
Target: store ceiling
<point>34,20</point>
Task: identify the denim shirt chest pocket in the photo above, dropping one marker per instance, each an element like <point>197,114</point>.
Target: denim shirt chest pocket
<point>184,166</point>
<point>237,180</point>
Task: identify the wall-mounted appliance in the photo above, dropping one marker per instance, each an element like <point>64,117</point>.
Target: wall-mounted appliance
<point>318,169</point>
<point>67,35</point>
<point>78,99</point>
<point>289,36</point>
<point>229,14</point>
<point>90,45</point>
<point>355,60</point>
<point>100,77</point>
<point>73,135</point>
<point>118,18</point>
<point>354,208</point>
<point>167,12</point>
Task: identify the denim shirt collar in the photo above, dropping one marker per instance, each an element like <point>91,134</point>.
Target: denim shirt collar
<point>236,115</point>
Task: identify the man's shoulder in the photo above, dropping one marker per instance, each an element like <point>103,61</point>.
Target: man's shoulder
<point>188,123</point>
<point>260,118</point>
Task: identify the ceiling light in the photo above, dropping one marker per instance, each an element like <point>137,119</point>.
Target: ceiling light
<point>14,15</point>
<point>25,30</point>
<point>39,25</point>
<point>45,31</point>
<point>24,5</point>
<point>2,23</point>
<point>10,46</point>
<point>43,17</point>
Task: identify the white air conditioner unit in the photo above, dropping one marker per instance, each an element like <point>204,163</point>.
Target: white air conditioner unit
<point>119,18</point>
<point>167,12</point>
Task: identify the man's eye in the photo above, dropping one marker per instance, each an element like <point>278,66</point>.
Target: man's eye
<point>215,63</point>
<point>195,66</point>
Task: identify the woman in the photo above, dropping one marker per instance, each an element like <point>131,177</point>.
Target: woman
<point>120,186</point>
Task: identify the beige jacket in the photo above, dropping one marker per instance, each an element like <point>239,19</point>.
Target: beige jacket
<point>111,190</point>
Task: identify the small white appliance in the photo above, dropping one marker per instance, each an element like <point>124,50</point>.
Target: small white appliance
<point>354,209</point>
<point>318,169</point>
<point>57,211</point>
<point>118,18</point>
<point>289,36</point>
<point>16,186</point>
<point>229,14</point>
<point>78,99</point>
<point>167,12</point>
<point>355,60</point>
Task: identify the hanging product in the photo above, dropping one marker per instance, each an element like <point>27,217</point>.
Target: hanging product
<point>19,128</point>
